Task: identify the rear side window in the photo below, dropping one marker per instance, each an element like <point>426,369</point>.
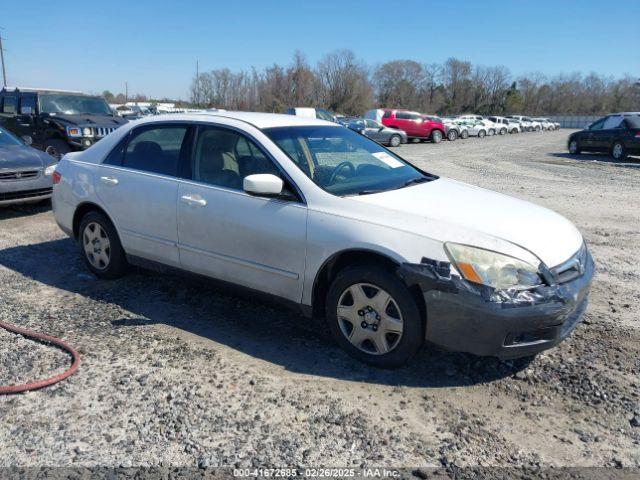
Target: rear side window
<point>612,122</point>
<point>9,105</point>
<point>407,116</point>
<point>387,114</point>
<point>155,149</point>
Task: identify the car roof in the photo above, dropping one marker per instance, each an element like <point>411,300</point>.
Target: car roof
<point>41,90</point>
<point>257,119</point>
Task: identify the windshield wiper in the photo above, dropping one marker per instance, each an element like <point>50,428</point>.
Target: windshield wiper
<point>415,181</point>
<point>371,191</point>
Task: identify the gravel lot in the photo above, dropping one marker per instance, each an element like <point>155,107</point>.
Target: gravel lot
<point>178,373</point>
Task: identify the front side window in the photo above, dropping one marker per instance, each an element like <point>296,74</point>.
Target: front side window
<point>156,149</point>
<point>28,105</point>
<point>597,125</point>
<point>56,103</point>
<point>342,162</point>
<point>224,157</point>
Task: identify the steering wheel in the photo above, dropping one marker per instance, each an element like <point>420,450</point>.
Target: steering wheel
<point>341,166</point>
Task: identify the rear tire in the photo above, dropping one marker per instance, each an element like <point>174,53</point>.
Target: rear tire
<point>436,136</point>
<point>354,328</point>
<point>395,140</point>
<point>482,134</point>
<point>452,136</point>
<point>503,131</point>
<point>618,152</point>
<point>100,246</point>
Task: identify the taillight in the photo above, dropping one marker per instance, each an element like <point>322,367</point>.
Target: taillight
<point>638,134</point>
<point>56,177</point>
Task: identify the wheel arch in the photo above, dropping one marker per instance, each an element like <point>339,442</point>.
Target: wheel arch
<point>84,208</point>
<point>350,257</point>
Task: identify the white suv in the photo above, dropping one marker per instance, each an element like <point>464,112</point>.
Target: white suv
<point>329,221</point>
<point>491,127</point>
<point>502,125</point>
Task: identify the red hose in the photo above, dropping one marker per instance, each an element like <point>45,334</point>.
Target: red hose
<point>49,381</point>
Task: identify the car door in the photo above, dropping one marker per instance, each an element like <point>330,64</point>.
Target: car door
<point>372,130</point>
<point>9,111</point>
<point>587,140</point>
<point>228,234</point>
<point>603,138</point>
<point>137,184</point>
<point>405,122</point>
<point>25,120</point>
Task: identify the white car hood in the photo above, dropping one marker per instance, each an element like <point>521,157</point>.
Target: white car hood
<point>483,213</point>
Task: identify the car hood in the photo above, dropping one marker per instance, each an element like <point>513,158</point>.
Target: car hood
<point>22,157</point>
<point>88,120</point>
<point>476,213</point>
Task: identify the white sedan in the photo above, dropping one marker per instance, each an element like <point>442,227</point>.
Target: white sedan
<point>332,223</point>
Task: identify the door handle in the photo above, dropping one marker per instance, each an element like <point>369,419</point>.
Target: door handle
<point>194,200</point>
<point>109,180</point>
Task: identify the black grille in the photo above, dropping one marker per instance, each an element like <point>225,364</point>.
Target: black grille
<point>25,194</point>
<point>18,175</point>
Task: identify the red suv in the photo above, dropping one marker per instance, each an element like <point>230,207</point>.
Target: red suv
<point>415,124</point>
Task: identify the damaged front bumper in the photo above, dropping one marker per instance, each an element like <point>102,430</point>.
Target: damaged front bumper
<point>472,318</point>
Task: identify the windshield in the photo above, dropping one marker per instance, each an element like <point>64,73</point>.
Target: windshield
<point>73,104</point>
<point>343,162</point>
<point>7,139</point>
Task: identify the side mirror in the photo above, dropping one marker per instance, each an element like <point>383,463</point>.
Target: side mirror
<point>380,129</point>
<point>265,184</point>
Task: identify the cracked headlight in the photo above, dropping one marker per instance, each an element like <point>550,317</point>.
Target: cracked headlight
<point>492,269</point>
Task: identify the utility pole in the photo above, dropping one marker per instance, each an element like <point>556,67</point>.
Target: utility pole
<point>197,84</point>
<point>4,71</point>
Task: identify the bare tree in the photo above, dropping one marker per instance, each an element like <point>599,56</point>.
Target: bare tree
<point>345,83</point>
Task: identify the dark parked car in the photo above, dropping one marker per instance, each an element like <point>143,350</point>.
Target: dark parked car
<point>56,121</point>
<point>617,134</point>
<point>25,173</point>
<point>391,137</point>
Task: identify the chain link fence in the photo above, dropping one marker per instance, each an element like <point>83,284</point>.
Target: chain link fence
<point>574,121</point>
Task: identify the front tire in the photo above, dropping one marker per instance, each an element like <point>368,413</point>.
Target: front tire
<point>482,134</point>
<point>373,316</point>
<point>395,140</point>
<point>503,131</point>
<point>452,136</point>
<point>100,246</point>
<point>573,147</point>
<point>464,134</point>
<point>436,136</point>
<point>56,148</point>
<point>618,152</point>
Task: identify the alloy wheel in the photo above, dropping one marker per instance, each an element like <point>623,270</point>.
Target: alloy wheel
<point>573,146</point>
<point>97,246</point>
<point>617,151</point>
<point>370,318</point>
<point>395,141</point>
